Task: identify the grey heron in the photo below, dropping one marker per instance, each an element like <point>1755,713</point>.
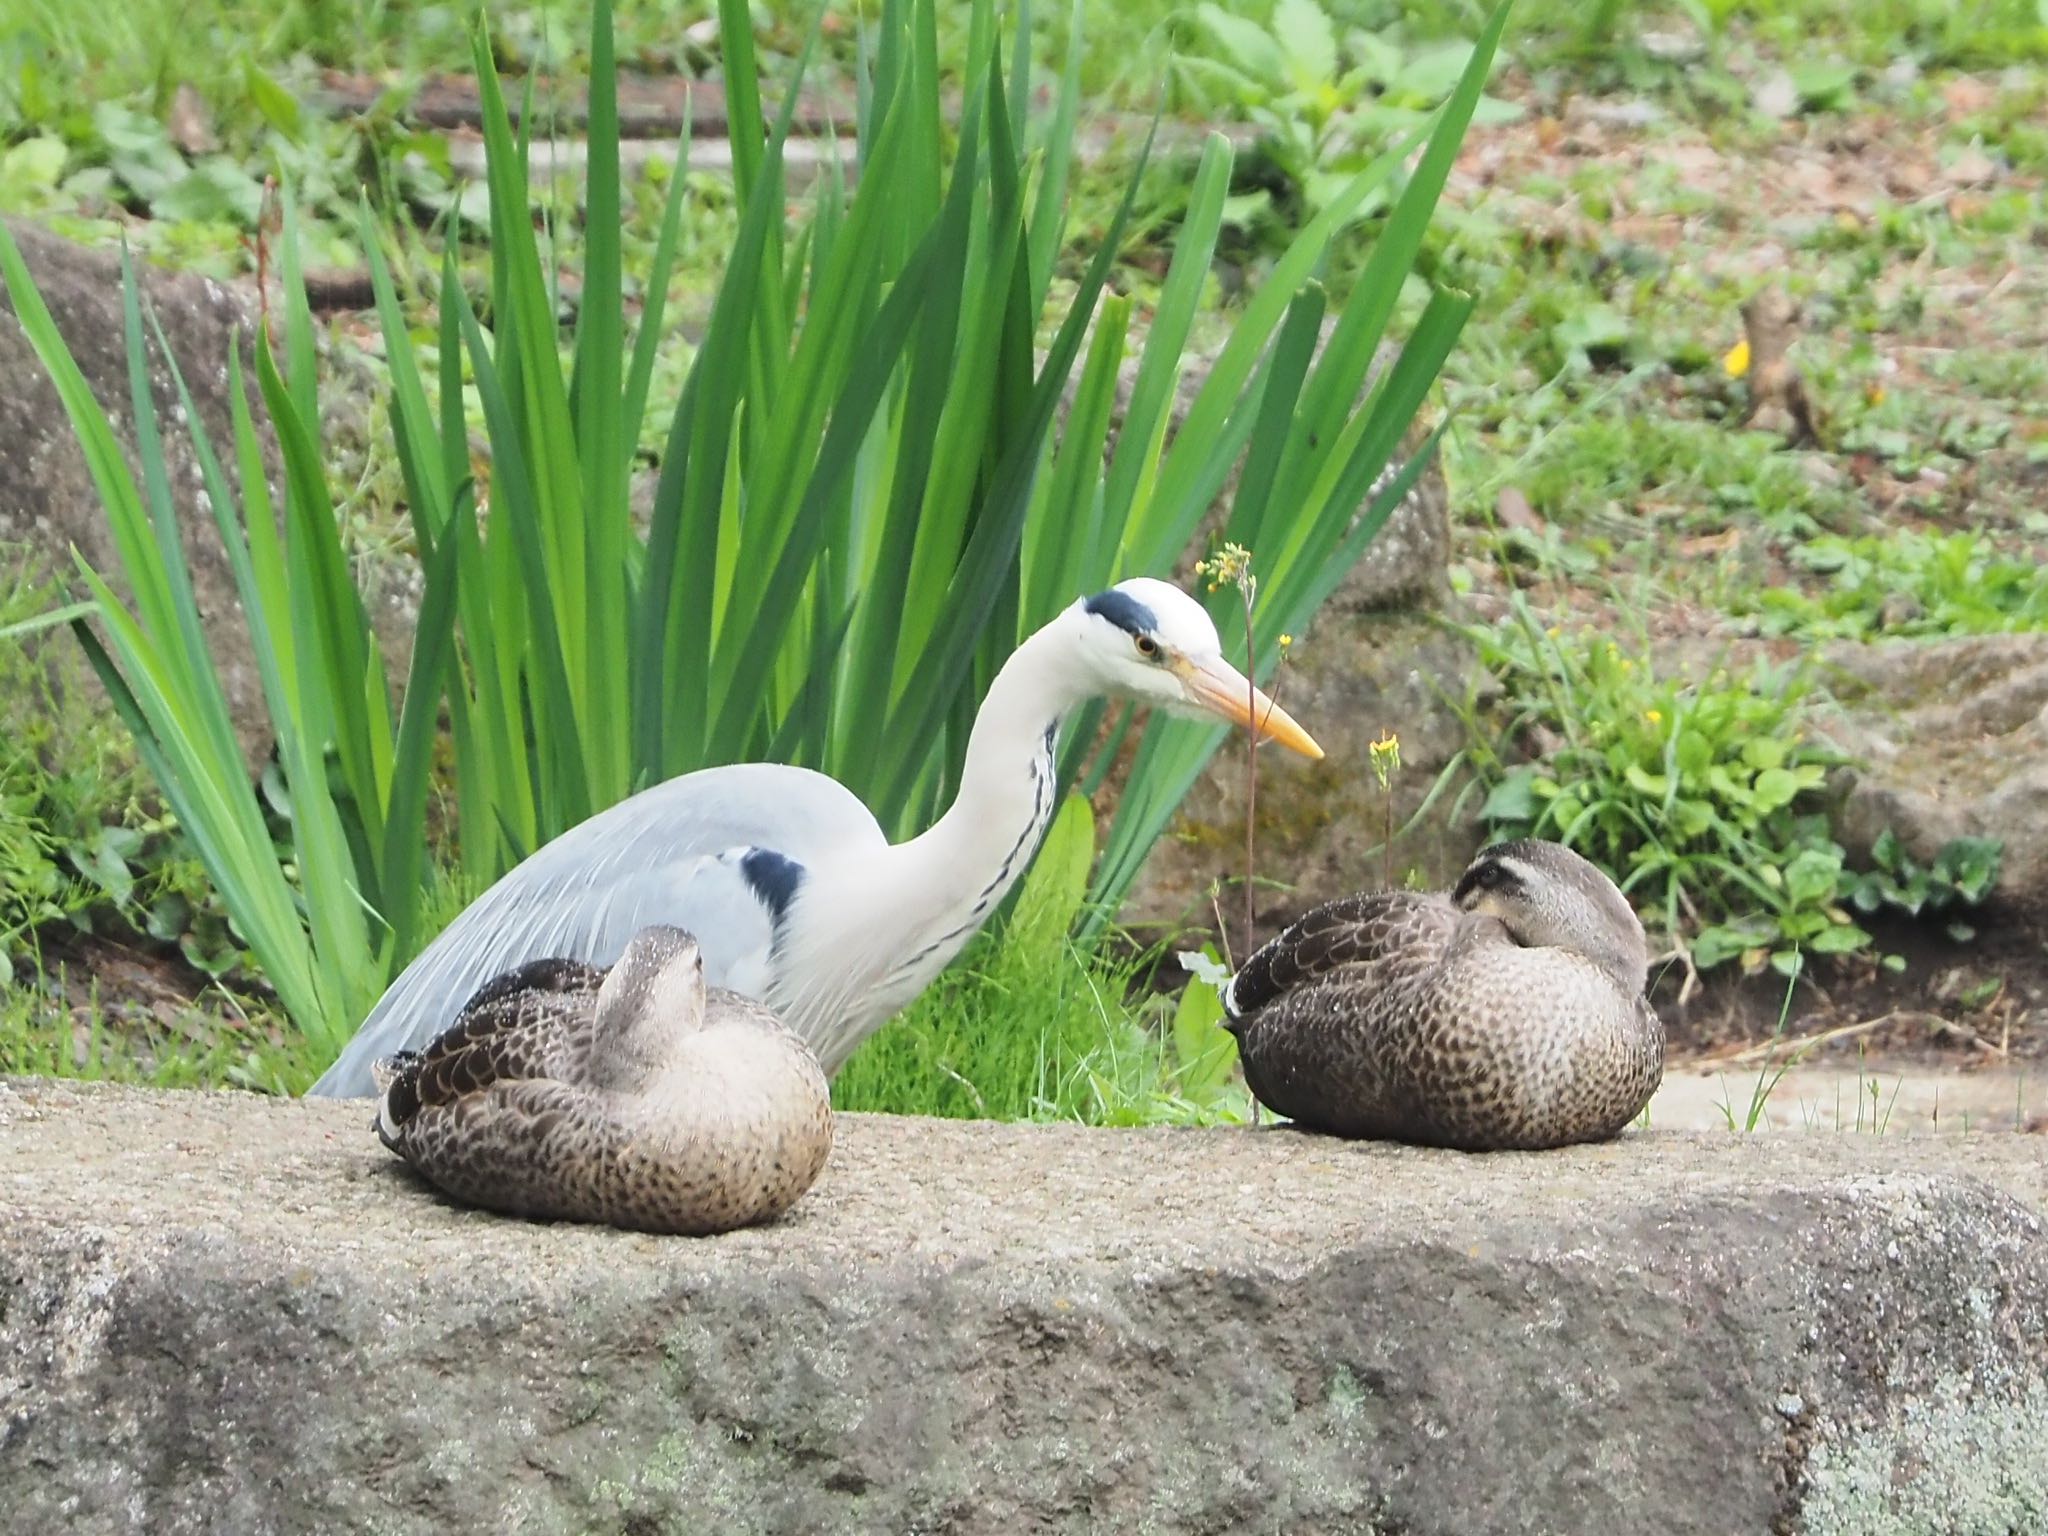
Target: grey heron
<point>788,882</point>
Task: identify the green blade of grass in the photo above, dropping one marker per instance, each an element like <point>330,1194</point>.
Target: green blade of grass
<point>1133,468</point>
<point>331,636</point>
<point>601,428</point>
<point>404,855</point>
<point>557,728</point>
<point>538,417</point>
<point>994,543</point>
<point>648,338</point>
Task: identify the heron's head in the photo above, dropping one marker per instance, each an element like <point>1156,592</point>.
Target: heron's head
<point>1548,897</point>
<point>659,980</point>
<point>1150,641</point>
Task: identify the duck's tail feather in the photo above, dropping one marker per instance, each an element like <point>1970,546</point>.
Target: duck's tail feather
<point>397,1081</point>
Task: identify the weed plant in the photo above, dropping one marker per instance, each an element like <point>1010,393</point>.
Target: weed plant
<point>1690,792</point>
<point>1699,794</point>
<point>1031,1025</point>
<point>1908,583</point>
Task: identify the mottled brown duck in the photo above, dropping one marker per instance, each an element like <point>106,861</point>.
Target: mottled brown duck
<point>635,1097</point>
<point>1507,1014</point>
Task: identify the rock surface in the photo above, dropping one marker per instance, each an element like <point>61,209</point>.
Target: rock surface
<point>1951,738</point>
<point>220,1313</point>
<point>47,497</point>
<point>48,501</point>
<point>1322,827</point>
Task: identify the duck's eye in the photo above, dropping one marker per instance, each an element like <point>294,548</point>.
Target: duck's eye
<point>1148,647</point>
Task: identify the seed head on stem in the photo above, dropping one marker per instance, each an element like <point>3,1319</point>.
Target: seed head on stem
<point>1231,565</point>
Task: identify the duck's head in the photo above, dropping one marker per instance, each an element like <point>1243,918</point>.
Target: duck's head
<point>658,981</point>
<point>1147,640</point>
<point>1547,897</point>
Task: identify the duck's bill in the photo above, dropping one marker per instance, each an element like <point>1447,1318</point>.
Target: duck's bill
<point>1218,687</point>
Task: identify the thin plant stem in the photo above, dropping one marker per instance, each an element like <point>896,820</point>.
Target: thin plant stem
<point>1251,796</point>
<point>1387,843</point>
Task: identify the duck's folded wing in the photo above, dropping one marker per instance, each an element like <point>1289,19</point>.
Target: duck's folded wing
<point>1400,931</point>
<point>531,1023</point>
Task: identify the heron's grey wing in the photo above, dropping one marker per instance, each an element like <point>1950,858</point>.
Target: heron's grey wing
<point>718,852</point>
<point>1401,930</point>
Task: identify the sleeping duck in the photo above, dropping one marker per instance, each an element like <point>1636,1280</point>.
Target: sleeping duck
<point>1508,1014</point>
<point>634,1097</point>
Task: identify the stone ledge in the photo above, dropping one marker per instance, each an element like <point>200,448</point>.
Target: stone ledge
<point>224,1313</point>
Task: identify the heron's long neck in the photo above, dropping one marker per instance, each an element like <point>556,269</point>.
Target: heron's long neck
<point>939,887</point>
<point>906,911</point>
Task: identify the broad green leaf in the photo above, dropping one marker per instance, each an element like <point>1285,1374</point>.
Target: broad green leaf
<point>1512,800</point>
<point>1772,788</point>
<point>1838,939</point>
<point>1811,876</point>
<point>1308,45</point>
<point>1247,45</point>
<point>1051,895</point>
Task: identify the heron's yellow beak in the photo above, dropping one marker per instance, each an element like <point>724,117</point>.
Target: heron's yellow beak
<point>1215,685</point>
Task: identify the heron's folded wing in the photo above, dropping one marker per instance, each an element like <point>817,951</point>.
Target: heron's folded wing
<point>673,854</point>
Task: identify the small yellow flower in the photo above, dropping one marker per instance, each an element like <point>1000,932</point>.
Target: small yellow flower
<point>1386,757</point>
<point>1286,644</point>
<point>1737,361</point>
<point>1229,566</point>
<point>1554,631</point>
<point>1654,716</point>
<point>1874,394</point>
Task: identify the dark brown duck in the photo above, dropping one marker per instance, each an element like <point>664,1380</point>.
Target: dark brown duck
<point>1508,1014</point>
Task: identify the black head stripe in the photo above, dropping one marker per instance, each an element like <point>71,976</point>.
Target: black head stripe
<point>774,878</point>
<point>1487,872</point>
<point>1124,611</point>
<point>1467,883</point>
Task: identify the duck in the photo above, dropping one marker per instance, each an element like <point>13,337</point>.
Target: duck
<point>633,1096</point>
<point>1508,1014</point>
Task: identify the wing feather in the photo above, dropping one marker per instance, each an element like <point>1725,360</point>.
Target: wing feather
<point>532,1023</point>
<point>1384,928</point>
<point>653,858</point>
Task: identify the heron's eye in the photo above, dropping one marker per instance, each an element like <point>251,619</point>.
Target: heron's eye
<point>1148,647</point>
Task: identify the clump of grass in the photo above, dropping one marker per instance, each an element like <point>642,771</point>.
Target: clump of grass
<point>1017,1031</point>
<point>44,1032</point>
<point>1691,792</point>
<point>1031,1024</point>
<point>1908,583</point>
